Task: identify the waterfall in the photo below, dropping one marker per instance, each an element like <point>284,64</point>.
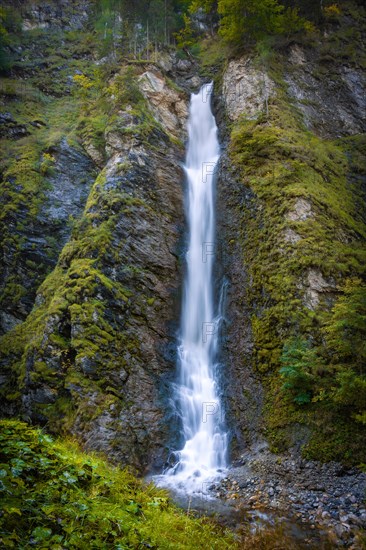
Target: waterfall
<point>204,451</point>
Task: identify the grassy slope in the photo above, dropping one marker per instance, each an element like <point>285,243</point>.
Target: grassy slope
<point>54,496</point>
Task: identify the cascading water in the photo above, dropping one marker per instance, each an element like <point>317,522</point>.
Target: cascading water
<point>204,451</point>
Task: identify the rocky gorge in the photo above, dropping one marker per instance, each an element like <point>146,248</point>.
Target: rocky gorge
<point>93,241</point>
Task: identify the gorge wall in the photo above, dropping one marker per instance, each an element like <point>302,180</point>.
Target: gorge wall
<point>93,237</point>
<point>291,210</point>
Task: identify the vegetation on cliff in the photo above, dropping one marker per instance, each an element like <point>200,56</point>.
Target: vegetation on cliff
<point>304,246</point>
<point>66,359</point>
<point>87,294</point>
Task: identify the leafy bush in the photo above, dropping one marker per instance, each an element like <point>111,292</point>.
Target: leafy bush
<point>54,496</point>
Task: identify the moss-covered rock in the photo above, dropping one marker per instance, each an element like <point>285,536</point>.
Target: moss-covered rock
<point>298,202</point>
<point>93,357</point>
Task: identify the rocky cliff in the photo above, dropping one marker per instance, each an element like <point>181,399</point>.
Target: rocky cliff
<point>93,237</point>
<point>92,230</point>
<point>291,210</point>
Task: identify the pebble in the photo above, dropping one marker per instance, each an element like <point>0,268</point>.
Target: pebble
<point>324,496</point>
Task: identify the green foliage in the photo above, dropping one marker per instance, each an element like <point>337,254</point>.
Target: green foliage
<point>249,17</point>
<point>136,29</point>
<point>298,360</point>
<point>77,290</point>
<point>334,372</point>
<point>9,23</point>
<point>346,329</point>
<point>207,6</point>
<point>54,496</point>
<point>257,19</point>
<point>345,347</point>
<point>187,36</point>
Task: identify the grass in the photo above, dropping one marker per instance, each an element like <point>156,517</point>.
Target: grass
<point>55,496</point>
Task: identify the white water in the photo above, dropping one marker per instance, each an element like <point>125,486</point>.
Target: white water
<point>204,451</point>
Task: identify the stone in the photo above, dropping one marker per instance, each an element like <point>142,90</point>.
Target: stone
<point>301,211</point>
<point>316,284</point>
<point>297,55</point>
<point>246,89</point>
<point>168,105</point>
<point>327,114</point>
<point>183,65</point>
<point>44,395</point>
<point>290,236</point>
<point>8,321</point>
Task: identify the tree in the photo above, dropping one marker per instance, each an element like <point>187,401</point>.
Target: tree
<point>10,23</point>
<point>209,8</point>
<point>186,37</point>
<point>254,18</point>
<point>299,362</point>
<point>346,329</point>
<point>345,335</point>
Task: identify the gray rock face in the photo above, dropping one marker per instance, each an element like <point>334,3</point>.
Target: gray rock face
<point>301,211</point>
<point>101,362</point>
<point>43,237</point>
<point>331,107</point>
<point>64,13</point>
<point>246,89</point>
<point>70,183</point>
<point>169,106</point>
<point>119,390</point>
<point>10,129</point>
<point>242,392</point>
<point>315,285</point>
<point>332,98</point>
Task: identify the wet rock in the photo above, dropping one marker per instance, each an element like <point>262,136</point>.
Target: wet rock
<point>280,476</point>
<point>44,236</point>
<point>122,390</point>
